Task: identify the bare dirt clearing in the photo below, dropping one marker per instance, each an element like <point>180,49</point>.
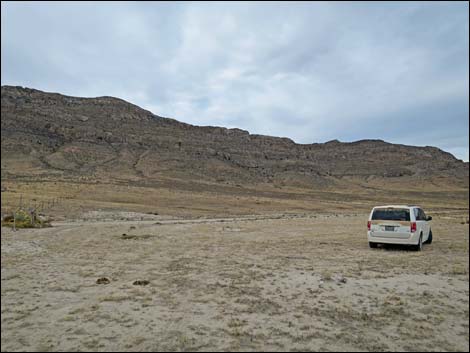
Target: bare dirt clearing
<point>281,282</point>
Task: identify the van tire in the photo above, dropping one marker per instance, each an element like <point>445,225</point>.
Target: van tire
<point>373,245</point>
<point>429,241</point>
<point>419,246</point>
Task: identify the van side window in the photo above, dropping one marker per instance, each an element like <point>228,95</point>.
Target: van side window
<point>421,215</point>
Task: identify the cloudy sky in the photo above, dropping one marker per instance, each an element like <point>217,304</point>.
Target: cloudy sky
<point>309,71</point>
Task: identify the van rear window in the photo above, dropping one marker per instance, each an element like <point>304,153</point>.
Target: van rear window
<point>393,214</point>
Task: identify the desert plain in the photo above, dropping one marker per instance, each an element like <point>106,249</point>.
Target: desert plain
<point>228,269</point>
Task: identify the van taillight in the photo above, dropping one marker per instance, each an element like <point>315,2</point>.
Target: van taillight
<point>368,225</point>
<point>413,227</point>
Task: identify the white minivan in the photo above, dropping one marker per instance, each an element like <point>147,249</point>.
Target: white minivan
<point>407,225</point>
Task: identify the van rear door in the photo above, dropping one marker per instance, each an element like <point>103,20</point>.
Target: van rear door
<point>391,223</point>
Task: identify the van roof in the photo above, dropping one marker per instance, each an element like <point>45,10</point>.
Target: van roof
<point>395,206</point>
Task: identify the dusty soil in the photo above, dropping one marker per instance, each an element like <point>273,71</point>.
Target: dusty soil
<point>262,282</point>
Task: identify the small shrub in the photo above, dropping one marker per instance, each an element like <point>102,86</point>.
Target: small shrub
<point>102,280</point>
<point>327,275</point>
<point>23,220</point>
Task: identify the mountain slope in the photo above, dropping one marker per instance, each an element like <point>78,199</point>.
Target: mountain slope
<point>56,136</point>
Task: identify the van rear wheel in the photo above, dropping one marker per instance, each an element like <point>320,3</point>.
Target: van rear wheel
<point>419,247</point>
<point>429,241</point>
<point>373,245</point>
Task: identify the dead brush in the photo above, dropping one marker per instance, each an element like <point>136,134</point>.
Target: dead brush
<point>23,219</point>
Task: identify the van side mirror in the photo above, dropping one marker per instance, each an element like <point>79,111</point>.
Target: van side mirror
<point>429,218</point>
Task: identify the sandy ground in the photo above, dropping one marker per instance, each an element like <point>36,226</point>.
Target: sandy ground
<point>278,282</point>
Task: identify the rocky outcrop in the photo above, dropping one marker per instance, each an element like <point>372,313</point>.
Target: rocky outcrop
<point>108,137</point>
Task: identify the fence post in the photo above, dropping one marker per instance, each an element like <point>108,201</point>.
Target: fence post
<point>31,216</point>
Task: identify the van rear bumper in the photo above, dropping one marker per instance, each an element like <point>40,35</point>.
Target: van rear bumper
<point>412,239</point>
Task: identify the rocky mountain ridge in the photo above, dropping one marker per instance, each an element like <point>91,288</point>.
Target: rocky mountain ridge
<point>105,137</point>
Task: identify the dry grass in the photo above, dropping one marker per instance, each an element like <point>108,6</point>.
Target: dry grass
<point>172,197</point>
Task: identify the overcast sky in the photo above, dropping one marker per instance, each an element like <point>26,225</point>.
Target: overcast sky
<point>309,71</point>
